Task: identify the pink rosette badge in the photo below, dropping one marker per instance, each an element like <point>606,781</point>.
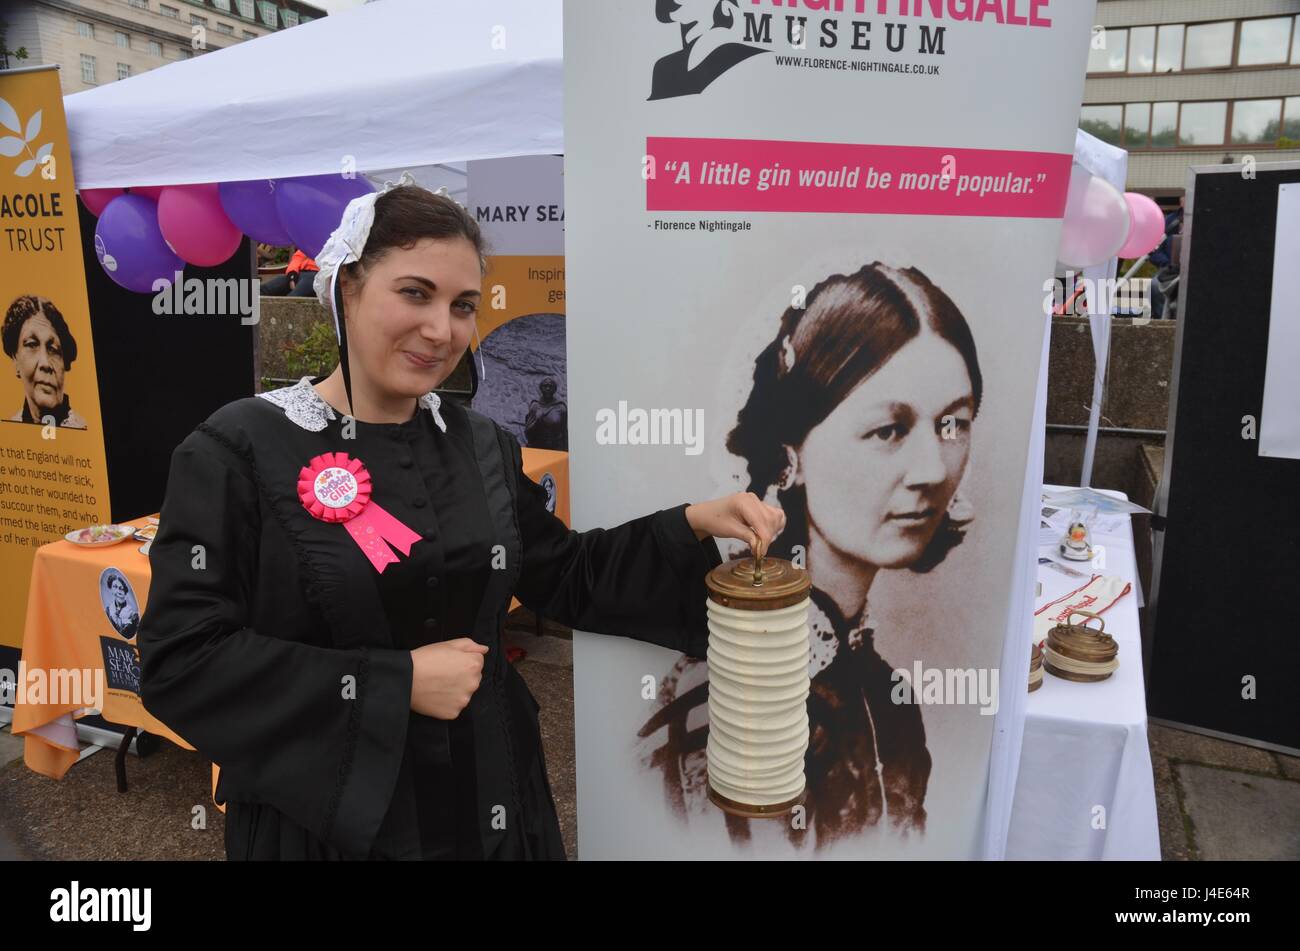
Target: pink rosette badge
<point>334,487</point>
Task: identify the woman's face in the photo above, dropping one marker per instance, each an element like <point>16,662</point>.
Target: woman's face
<point>119,591</point>
<point>882,467</point>
<point>40,364</point>
<point>413,318</point>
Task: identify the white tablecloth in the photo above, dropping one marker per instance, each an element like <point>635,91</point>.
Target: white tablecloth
<point>1086,789</point>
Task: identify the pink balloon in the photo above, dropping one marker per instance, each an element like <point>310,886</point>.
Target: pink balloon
<point>1096,221</point>
<point>148,191</point>
<point>95,199</point>
<point>195,225</point>
<point>1148,226</point>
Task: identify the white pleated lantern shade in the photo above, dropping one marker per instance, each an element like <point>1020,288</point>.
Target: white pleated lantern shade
<point>758,686</point>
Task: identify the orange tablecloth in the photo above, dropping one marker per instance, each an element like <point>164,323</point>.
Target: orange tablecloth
<point>68,633</point>
<point>68,629</point>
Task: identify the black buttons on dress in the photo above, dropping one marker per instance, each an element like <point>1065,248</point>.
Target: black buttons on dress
<point>420,503</point>
<point>431,624</point>
<point>404,462</point>
<point>432,581</point>
<point>430,536</point>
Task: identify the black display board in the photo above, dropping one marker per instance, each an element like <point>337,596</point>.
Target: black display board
<point>1227,575</point>
<point>160,375</point>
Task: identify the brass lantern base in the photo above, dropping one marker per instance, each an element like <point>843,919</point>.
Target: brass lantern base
<point>1077,678</point>
<point>731,807</point>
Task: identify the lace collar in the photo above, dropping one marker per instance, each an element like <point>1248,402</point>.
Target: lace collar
<point>828,629</point>
<point>304,406</point>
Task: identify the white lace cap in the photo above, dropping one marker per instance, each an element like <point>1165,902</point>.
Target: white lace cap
<point>348,241</point>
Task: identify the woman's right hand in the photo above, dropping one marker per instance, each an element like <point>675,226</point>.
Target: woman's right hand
<point>445,676</point>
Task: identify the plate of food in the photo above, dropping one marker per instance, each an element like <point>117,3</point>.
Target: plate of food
<point>146,533</point>
<point>97,536</point>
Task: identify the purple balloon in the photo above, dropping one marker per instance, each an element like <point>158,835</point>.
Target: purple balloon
<point>251,206</point>
<point>130,245</point>
<point>312,207</point>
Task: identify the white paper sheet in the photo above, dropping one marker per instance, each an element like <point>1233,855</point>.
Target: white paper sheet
<point>1279,424</point>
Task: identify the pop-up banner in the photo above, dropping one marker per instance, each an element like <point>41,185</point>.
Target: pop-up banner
<point>519,203</point>
<point>807,242</point>
<point>53,472</point>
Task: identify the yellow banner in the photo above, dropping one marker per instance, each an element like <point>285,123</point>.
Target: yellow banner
<point>53,472</point>
<point>521,284</point>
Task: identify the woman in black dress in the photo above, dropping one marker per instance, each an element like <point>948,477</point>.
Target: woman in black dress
<point>859,420</point>
<point>356,698</point>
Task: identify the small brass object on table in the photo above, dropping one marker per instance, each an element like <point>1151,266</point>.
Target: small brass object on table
<point>1081,653</point>
<point>1035,667</point>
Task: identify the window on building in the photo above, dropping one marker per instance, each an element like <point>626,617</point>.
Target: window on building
<point>224,27</point>
<point>139,4</point>
<point>155,48</point>
<point>247,9</point>
<point>222,5</point>
<point>1209,45</point>
<point>249,36</point>
<point>87,68</point>
<point>266,10</point>
<point>1291,122</point>
<point>123,70</point>
<point>1142,49</point>
<point>1202,123</point>
<point>85,30</point>
<point>184,53</point>
<point>1164,125</point>
<point>1256,120</point>
<point>196,20</point>
<point>288,17</point>
<point>1264,41</point>
<point>1295,43</point>
<point>123,40</point>
<point>1102,121</point>
<point>1137,124</point>
<point>172,12</point>
<point>1169,48</point>
<point>1112,56</point>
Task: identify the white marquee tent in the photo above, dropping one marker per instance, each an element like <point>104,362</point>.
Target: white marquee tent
<point>390,85</point>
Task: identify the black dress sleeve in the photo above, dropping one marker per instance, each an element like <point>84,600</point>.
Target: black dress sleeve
<point>643,579</point>
<point>272,712</point>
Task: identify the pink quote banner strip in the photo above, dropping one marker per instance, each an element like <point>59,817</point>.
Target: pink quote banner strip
<point>769,175</point>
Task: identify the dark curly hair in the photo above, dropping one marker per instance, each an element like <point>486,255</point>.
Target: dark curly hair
<point>849,327</point>
<point>28,306</point>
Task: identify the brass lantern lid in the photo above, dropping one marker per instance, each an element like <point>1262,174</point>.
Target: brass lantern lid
<point>757,584</point>
<point>1082,643</point>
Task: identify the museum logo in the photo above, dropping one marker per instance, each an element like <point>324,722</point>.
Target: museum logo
<point>717,35</point>
<point>712,41</point>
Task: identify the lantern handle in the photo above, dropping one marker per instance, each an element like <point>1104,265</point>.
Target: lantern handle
<point>1088,614</point>
<point>758,560</point>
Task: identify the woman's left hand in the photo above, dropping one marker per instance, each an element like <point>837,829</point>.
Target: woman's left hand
<point>743,516</point>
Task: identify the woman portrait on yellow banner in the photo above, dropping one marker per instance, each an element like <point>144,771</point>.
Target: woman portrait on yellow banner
<point>38,340</point>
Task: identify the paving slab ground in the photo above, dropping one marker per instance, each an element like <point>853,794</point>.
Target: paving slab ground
<point>1216,799</point>
<point>1238,815</point>
<point>1224,800</point>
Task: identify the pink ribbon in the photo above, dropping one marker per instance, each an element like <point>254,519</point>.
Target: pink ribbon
<point>334,487</point>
